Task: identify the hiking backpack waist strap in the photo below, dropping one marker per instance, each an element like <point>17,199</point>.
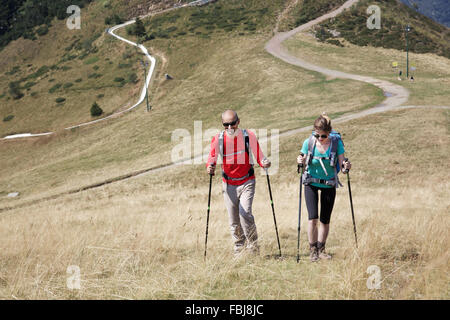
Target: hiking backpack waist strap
<point>250,173</point>
<point>333,182</point>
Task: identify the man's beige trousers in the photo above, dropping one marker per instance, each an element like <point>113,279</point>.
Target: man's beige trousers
<point>238,201</point>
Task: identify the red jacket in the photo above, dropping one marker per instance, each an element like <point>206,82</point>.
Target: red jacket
<point>236,162</point>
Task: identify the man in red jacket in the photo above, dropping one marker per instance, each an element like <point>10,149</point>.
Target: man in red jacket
<point>236,147</point>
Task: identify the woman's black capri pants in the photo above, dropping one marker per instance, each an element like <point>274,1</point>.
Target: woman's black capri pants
<point>327,197</point>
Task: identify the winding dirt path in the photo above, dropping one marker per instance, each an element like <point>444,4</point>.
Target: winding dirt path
<point>150,72</point>
<point>396,94</point>
<point>396,97</point>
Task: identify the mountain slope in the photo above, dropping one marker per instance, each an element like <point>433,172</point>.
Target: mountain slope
<point>51,82</point>
<point>426,35</point>
<point>438,10</point>
<point>142,238</point>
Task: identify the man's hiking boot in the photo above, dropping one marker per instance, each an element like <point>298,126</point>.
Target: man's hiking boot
<point>314,253</point>
<point>254,250</point>
<point>321,251</point>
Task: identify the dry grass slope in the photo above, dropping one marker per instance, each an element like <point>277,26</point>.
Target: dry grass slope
<point>143,238</point>
<point>140,239</point>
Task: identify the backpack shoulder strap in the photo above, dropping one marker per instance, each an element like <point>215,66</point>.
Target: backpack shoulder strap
<point>333,150</point>
<point>221,143</point>
<point>247,145</point>
<point>311,148</point>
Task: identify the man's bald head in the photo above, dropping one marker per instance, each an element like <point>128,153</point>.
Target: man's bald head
<point>229,116</point>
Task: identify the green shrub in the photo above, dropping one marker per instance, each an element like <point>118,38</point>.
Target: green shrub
<point>79,80</point>
<point>323,34</point>
<point>124,65</point>
<point>41,31</point>
<point>113,19</point>
<point>119,79</point>
<point>126,55</point>
<point>14,70</point>
<point>29,35</point>
<point>130,29</point>
<point>91,60</point>
<point>67,85</point>
<point>14,90</point>
<point>41,71</point>
<point>136,29</point>
<point>29,84</point>
<point>171,29</point>
<point>83,55</point>
<point>96,110</point>
<point>162,34</point>
<point>133,78</point>
<point>94,75</point>
<point>8,118</point>
<point>335,42</point>
<point>55,87</point>
<point>139,29</point>
<point>60,100</point>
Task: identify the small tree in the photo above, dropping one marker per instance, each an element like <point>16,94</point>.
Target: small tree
<point>96,110</point>
<point>139,28</point>
<point>14,90</point>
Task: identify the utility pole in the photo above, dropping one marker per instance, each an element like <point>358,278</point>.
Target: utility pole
<point>408,29</point>
<point>144,65</point>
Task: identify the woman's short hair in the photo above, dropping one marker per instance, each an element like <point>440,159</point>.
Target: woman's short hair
<point>323,123</point>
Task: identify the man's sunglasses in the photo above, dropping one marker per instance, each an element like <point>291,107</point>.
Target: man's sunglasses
<point>230,124</point>
<point>317,136</point>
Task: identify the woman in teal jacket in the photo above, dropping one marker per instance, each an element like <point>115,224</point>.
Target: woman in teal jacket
<point>321,175</point>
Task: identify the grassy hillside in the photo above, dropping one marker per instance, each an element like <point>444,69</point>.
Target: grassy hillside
<point>77,65</point>
<point>129,244</point>
<point>301,11</point>
<point>426,35</point>
<point>143,238</point>
<point>81,66</point>
<point>230,70</point>
<point>432,76</point>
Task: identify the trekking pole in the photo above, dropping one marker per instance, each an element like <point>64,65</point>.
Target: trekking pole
<point>207,216</point>
<point>273,211</point>
<point>351,203</point>
<point>299,170</point>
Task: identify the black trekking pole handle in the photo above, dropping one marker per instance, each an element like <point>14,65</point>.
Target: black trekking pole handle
<point>345,171</point>
<point>300,166</point>
<point>207,215</point>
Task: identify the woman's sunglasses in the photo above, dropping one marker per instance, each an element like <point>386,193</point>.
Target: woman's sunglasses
<point>230,124</point>
<point>317,136</point>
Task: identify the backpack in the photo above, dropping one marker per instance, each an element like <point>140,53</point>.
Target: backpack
<point>247,150</point>
<point>335,137</point>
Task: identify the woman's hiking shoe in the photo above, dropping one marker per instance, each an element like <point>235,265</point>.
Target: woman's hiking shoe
<point>321,251</point>
<point>314,252</point>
